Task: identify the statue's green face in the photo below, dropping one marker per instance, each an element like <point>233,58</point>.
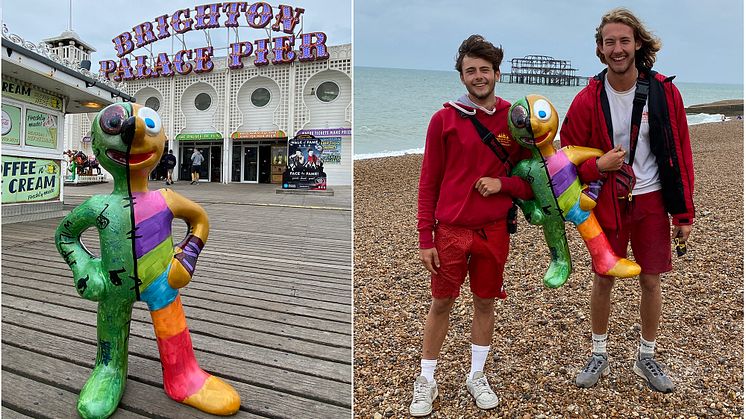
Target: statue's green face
<point>519,122</point>
<point>127,136</point>
<point>533,121</point>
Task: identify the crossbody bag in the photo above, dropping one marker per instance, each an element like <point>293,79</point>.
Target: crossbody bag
<point>625,178</point>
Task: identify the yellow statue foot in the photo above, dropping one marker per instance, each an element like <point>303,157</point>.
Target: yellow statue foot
<point>624,268</point>
<point>215,397</point>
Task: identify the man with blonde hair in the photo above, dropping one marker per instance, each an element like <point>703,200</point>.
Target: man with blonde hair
<point>637,116</point>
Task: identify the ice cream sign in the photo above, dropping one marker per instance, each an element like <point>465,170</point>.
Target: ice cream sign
<point>27,179</point>
<point>7,123</point>
<point>282,49</point>
<point>41,129</point>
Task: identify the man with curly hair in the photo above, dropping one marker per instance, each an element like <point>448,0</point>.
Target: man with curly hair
<point>465,195</point>
<point>601,116</point>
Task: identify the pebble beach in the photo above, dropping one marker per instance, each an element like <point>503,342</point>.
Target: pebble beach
<point>542,336</point>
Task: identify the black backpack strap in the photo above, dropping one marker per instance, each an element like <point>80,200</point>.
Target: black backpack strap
<point>606,109</point>
<point>641,96</point>
<point>488,138</point>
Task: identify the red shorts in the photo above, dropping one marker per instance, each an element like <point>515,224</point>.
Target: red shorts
<point>646,226</point>
<point>481,252</point>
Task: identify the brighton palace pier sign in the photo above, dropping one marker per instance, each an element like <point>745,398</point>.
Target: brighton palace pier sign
<point>312,45</point>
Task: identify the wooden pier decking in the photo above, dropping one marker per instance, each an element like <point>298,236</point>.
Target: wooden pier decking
<point>269,310</point>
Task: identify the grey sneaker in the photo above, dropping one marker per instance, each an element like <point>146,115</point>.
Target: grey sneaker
<point>596,367</point>
<point>649,369</point>
<point>424,394</point>
<point>480,389</point>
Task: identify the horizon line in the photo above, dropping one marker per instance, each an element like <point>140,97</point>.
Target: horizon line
<point>448,71</point>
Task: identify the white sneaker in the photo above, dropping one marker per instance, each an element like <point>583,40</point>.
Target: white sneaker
<point>480,389</point>
<point>424,394</point>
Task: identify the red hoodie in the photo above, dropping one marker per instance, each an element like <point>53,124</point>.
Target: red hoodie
<point>587,125</point>
<point>455,159</point>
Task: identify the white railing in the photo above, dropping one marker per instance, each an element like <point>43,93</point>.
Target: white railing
<point>45,50</point>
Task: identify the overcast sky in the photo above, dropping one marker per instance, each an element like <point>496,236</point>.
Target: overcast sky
<point>702,40</point>
<point>97,22</point>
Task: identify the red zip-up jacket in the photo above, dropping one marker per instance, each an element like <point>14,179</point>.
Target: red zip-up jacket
<point>588,123</point>
<point>455,159</point>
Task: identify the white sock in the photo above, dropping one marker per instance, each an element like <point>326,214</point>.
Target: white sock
<point>647,348</point>
<point>428,368</point>
<point>478,358</point>
<point>599,343</point>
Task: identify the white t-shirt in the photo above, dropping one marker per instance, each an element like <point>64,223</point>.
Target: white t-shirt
<point>645,166</point>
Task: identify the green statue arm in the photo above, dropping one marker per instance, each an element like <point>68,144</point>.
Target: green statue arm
<point>521,169</point>
<point>89,277</point>
<point>186,252</point>
<point>578,154</point>
<point>531,209</point>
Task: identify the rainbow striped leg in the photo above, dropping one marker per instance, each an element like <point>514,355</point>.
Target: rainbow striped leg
<point>183,379</point>
<point>102,392</point>
<point>605,261</point>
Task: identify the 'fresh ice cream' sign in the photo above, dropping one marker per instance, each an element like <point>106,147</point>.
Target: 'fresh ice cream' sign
<point>27,179</point>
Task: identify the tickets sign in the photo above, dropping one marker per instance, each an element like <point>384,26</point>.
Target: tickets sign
<point>332,149</point>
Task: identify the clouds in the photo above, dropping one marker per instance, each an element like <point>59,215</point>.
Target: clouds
<point>702,41</point>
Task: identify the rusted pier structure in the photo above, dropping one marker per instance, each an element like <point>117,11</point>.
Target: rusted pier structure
<point>542,69</point>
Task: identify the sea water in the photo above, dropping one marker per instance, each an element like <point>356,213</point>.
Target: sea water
<point>393,106</point>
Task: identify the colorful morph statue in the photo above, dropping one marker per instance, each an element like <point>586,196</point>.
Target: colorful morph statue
<point>558,194</point>
<point>138,262</point>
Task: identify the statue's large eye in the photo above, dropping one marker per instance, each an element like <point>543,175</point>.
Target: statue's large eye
<point>112,118</point>
<point>152,120</point>
<point>542,109</point>
<point>519,116</point>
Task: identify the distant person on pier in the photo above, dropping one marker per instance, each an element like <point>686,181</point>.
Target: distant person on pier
<point>465,196</point>
<point>170,162</point>
<point>197,160</point>
<point>656,144</point>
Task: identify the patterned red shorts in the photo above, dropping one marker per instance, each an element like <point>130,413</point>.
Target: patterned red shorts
<point>482,253</point>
